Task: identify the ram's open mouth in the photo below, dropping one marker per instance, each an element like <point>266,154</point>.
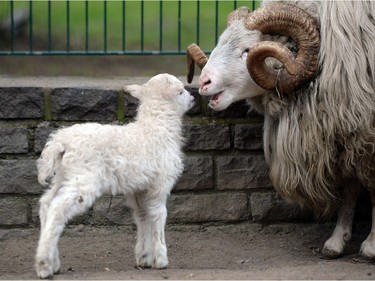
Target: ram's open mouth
<point>214,99</point>
<point>215,96</point>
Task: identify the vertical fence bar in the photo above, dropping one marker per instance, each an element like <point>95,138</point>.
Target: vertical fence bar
<point>11,25</point>
<point>105,25</point>
<point>87,25</point>
<point>123,26</point>
<point>67,25</point>
<point>30,25</point>
<point>216,21</point>
<point>179,26</point>
<point>235,4</point>
<point>142,25</point>
<point>49,27</point>
<point>198,20</point>
<point>161,25</point>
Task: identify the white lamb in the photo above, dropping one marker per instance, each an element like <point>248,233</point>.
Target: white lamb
<point>141,160</point>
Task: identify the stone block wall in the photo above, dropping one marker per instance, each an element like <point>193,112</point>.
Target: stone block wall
<point>225,178</point>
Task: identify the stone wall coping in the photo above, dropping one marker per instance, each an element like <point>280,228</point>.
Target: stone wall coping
<point>105,83</point>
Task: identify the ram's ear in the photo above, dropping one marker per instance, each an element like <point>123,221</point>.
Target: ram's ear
<point>238,14</point>
<point>134,90</point>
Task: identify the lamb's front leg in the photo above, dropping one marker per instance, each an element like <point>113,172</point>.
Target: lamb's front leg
<point>334,246</point>
<point>150,216</point>
<point>158,217</point>
<point>143,246</point>
<point>368,246</point>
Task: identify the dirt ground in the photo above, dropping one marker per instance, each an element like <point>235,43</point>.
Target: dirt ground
<point>195,252</point>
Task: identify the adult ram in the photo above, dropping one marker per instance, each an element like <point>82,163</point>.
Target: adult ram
<point>312,75</point>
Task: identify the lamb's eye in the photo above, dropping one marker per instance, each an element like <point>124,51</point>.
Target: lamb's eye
<point>246,50</point>
<point>181,92</point>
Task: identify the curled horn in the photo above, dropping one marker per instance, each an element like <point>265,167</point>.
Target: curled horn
<point>287,20</point>
<point>195,55</point>
<point>238,14</point>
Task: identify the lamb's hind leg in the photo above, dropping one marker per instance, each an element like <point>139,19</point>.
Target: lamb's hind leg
<point>334,246</point>
<point>64,206</point>
<point>368,246</point>
<point>44,203</point>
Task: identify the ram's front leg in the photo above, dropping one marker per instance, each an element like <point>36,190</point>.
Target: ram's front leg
<point>334,246</point>
<point>368,246</point>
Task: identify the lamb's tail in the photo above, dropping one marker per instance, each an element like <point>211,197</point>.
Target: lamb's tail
<point>49,161</point>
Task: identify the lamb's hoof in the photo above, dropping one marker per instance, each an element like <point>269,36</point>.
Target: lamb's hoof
<point>330,254</point>
<point>160,263</point>
<point>143,261</point>
<point>160,267</point>
<point>140,267</point>
<point>44,269</point>
<point>45,275</point>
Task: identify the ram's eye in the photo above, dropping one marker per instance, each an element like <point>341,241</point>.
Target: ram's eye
<point>244,53</point>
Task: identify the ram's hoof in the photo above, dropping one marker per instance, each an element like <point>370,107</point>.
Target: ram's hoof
<point>330,254</point>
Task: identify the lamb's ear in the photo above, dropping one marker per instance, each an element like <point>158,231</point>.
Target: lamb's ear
<point>134,90</point>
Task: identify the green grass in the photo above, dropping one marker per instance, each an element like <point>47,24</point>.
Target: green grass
<point>157,33</point>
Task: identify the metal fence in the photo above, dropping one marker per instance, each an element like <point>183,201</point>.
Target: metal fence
<point>111,27</point>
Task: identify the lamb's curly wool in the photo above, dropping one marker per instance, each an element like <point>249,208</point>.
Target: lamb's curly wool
<point>319,141</point>
<point>141,160</point>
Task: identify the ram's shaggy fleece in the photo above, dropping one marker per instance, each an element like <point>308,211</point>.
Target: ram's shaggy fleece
<point>319,141</point>
<point>332,121</point>
<point>141,160</point>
